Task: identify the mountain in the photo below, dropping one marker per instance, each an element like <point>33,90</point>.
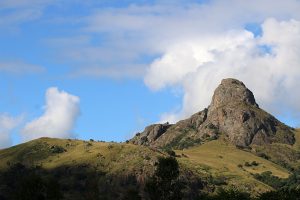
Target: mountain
<point>233,113</point>
<point>231,144</point>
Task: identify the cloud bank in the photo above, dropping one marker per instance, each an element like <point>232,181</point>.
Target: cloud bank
<point>61,111</point>
<point>269,65</point>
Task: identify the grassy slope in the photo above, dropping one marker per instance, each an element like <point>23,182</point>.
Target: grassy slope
<point>216,158</point>
<point>297,136</point>
<point>107,157</point>
<point>221,159</point>
<point>297,143</point>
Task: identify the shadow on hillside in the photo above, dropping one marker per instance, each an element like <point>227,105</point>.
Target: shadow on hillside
<point>80,182</point>
<point>66,182</point>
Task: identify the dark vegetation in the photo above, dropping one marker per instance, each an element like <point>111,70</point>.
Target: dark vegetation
<point>182,142</point>
<point>165,185</point>
<point>233,194</point>
<point>80,182</point>
<point>291,183</point>
<point>67,182</point>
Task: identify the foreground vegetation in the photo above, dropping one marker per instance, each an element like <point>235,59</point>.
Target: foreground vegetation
<point>72,169</point>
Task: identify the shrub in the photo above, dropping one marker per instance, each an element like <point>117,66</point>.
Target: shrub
<point>269,179</point>
<point>57,149</point>
<point>220,180</point>
<point>170,152</point>
<point>254,163</point>
<point>263,155</point>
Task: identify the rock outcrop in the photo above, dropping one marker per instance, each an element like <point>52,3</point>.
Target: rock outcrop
<point>150,134</point>
<point>233,113</point>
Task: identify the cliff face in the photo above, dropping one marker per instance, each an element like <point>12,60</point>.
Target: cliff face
<point>233,112</point>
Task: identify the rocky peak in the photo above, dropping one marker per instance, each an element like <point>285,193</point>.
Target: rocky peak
<point>233,113</point>
<point>232,91</point>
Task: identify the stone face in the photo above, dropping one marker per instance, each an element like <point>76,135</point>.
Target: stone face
<point>233,113</point>
<point>150,134</point>
<point>232,91</point>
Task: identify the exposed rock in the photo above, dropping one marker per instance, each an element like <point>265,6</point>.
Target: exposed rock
<point>233,112</point>
<point>231,91</point>
<point>150,134</point>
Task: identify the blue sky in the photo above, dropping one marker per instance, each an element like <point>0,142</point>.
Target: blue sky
<point>106,69</point>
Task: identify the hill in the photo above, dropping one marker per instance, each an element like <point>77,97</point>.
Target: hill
<point>110,170</point>
<point>233,113</point>
<point>231,144</point>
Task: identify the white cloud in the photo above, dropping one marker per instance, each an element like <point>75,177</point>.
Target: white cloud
<point>7,124</point>
<point>271,75</point>
<point>119,36</point>
<point>58,120</point>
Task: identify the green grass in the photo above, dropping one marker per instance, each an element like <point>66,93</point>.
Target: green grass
<point>217,160</point>
<point>107,157</point>
<point>221,159</point>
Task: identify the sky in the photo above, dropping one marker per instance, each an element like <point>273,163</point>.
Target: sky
<point>105,69</point>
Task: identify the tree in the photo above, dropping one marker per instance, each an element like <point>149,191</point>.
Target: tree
<point>165,184</point>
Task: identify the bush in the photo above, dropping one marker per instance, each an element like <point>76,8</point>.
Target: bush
<point>254,163</point>
<point>220,180</point>
<point>170,152</point>
<point>263,155</point>
<point>57,149</point>
<point>269,179</point>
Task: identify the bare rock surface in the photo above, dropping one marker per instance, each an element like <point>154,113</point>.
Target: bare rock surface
<point>233,112</point>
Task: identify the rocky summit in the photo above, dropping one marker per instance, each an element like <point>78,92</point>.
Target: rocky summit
<point>233,113</point>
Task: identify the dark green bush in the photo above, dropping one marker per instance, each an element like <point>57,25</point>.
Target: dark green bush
<point>268,178</point>
<point>57,149</point>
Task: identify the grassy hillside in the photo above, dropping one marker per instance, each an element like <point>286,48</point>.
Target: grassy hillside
<point>297,136</point>
<point>52,153</point>
<point>228,164</point>
<point>115,168</point>
<point>83,170</point>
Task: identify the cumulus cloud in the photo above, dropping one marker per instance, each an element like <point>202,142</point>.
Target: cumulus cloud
<point>269,65</point>
<point>7,124</point>
<point>58,120</point>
